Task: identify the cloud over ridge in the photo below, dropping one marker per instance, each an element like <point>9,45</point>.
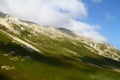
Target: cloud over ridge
<point>56,13</point>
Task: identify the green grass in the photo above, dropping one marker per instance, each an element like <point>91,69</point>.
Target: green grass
<point>55,63</point>
<point>4,38</point>
<point>41,70</point>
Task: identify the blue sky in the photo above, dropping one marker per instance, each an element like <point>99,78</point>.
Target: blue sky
<point>97,19</point>
<point>107,14</point>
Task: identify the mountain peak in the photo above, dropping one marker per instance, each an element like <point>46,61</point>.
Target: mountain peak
<point>2,14</point>
<point>67,31</point>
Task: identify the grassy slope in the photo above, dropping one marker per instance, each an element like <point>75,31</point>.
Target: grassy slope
<point>41,67</point>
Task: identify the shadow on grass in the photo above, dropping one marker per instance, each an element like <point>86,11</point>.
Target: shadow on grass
<point>63,62</point>
<point>4,77</point>
<point>20,50</point>
<point>102,62</point>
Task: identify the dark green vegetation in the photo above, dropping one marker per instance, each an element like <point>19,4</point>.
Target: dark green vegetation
<point>55,62</point>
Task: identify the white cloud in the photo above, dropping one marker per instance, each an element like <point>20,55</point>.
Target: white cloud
<point>86,29</point>
<point>56,13</point>
<point>109,16</point>
<point>96,1</point>
<point>47,12</point>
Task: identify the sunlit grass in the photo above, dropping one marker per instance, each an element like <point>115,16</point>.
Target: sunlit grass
<point>54,63</point>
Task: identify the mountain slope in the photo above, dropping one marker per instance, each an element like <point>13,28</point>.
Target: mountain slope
<point>44,53</point>
<point>34,33</point>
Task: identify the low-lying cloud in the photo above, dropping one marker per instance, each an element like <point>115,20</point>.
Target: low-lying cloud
<point>56,13</point>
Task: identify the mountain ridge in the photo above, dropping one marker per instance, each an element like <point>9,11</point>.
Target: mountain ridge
<point>36,52</point>
<point>33,28</point>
